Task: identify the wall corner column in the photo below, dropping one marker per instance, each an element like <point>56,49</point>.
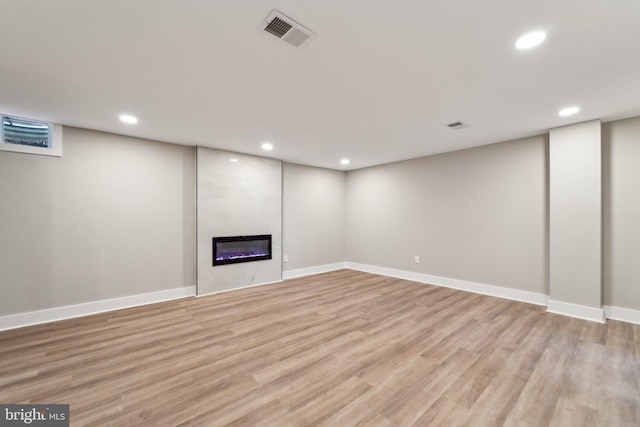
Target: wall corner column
<point>575,221</point>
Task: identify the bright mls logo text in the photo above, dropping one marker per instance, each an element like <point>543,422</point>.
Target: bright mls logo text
<point>39,415</point>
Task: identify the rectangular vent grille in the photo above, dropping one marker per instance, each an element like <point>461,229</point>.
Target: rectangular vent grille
<point>456,125</point>
<point>278,27</point>
<point>296,37</point>
<point>287,30</point>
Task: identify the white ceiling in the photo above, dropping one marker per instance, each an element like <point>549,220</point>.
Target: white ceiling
<point>379,84</point>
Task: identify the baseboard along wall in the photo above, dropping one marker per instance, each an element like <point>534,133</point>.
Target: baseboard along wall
<point>20,320</point>
<point>301,272</point>
<point>14,321</point>
<point>572,310</point>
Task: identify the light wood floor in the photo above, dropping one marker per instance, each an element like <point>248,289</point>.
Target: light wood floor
<point>337,349</point>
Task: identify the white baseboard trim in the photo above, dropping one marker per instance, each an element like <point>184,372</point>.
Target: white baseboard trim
<point>623,314</point>
<point>463,285</point>
<point>236,289</point>
<point>574,310</point>
<point>14,321</point>
<point>301,272</point>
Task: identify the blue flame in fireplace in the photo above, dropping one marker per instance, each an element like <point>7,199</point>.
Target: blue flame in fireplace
<point>232,249</point>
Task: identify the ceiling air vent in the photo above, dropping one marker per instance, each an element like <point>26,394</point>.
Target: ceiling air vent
<point>457,125</point>
<point>287,30</point>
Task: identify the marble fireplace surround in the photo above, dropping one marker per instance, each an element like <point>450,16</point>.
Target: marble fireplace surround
<point>237,198</point>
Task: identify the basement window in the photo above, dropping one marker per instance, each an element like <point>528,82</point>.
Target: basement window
<point>30,136</point>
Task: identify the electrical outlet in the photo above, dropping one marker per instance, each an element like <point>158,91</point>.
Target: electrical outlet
<point>286,258</point>
<point>417,259</point>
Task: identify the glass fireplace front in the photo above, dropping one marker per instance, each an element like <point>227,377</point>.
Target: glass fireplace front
<point>235,249</point>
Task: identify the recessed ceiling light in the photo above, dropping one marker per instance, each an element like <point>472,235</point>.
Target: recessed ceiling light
<point>128,119</point>
<point>233,160</point>
<point>530,40</point>
<point>345,161</point>
<point>267,146</point>
<point>568,111</point>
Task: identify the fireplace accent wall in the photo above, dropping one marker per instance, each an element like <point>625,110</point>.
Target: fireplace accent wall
<point>236,249</point>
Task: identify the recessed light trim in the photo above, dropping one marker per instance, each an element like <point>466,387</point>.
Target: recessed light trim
<point>267,146</point>
<point>345,161</point>
<point>530,40</point>
<point>569,111</point>
<point>128,119</point>
<point>233,160</point>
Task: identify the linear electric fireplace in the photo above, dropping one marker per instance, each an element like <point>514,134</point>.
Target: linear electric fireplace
<point>234,249</point>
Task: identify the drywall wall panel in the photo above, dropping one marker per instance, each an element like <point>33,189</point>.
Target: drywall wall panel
<point>113,217</point>
<point>621,180</point>
<point>478,215</point>
<point>575,207</point>
<point>313,216</point>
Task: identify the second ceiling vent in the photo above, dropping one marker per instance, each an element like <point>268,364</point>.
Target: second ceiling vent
<point>287,30</point>
<point>457,125</point>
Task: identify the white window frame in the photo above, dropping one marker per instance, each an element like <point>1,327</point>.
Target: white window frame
<point>55,140</point>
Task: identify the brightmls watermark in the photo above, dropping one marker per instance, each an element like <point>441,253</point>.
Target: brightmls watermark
<point>35,415</point>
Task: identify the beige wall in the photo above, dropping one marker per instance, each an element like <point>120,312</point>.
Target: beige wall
<point>621,189</point>
<point>115,216</point>
<point>478,215</point>
<point>575,211</point>
<point>313,216</point>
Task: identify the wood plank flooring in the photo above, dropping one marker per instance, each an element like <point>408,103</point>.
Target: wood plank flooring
<point>338,349</point>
